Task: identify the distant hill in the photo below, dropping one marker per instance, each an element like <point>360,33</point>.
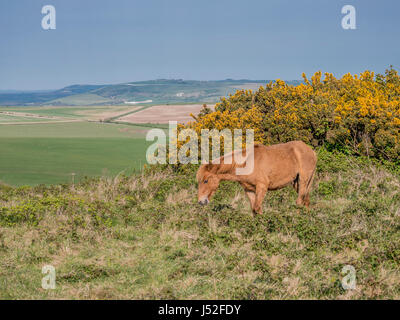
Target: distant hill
<point>156,91</point>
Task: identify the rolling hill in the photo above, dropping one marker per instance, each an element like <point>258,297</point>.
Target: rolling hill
<point>158,91</point>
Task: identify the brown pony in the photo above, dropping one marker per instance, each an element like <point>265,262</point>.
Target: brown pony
<point>274,167</point>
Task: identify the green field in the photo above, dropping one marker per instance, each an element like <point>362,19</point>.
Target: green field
<point>49,153</point>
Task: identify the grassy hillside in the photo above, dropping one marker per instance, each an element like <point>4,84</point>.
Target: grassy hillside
<point>145,237</point>
<point>79,100</point>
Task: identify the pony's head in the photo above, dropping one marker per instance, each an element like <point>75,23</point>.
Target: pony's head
<point>208,183</point>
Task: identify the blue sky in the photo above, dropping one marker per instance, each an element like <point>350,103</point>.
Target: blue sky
<point>104,41</point>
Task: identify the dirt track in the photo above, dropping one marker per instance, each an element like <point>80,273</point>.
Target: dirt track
<point>28,115</point>
<point>40,122</point>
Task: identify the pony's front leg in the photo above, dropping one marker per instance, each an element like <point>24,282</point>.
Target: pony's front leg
<point>261,190</point>
<point>252,198</point>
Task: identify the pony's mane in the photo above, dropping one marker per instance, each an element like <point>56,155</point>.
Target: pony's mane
<point>222,167</point>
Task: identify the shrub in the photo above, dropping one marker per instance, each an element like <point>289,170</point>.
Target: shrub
<point>356,114</point>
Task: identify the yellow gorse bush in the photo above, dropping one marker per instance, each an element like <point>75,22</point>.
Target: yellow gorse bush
<point>235,119</point>
<point>240,118</point>
<point>358,114</point>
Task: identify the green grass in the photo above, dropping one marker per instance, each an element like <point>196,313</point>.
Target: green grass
<point>145,237</point>
<point>49,153</point>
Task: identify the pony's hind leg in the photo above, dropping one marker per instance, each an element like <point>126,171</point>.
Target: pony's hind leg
<point>301,193</point>
<point>295,183</point>
<point>308,188</point>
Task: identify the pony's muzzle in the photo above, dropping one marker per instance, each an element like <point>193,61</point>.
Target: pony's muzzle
<point>203,202</point>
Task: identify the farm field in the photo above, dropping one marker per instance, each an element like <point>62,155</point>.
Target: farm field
<point>49,153</point>
<point>46,145</point>
<point>164,113</point>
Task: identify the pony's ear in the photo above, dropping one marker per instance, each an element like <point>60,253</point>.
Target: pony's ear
<point>212,168</point>
<point>200,173</point>
<point>202,170</point>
